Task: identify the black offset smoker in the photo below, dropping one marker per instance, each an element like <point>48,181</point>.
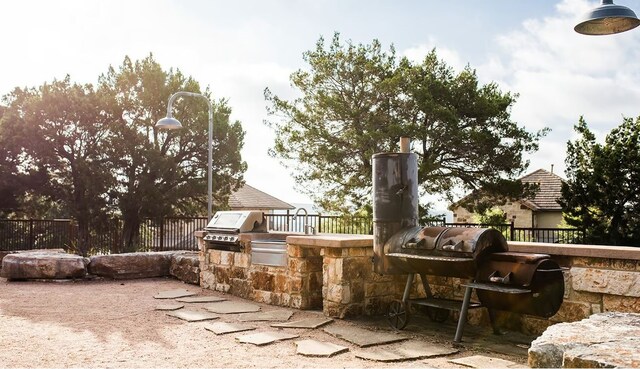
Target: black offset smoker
<point>517,282</point>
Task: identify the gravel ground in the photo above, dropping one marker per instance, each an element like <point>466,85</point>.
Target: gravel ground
<point>113,324</point>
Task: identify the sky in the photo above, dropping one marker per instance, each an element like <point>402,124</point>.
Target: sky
<point>239,48</point>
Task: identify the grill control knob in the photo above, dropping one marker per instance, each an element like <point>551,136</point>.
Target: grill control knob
<point>226,238</point>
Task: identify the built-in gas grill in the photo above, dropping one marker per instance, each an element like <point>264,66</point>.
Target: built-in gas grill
<point>516,282</point>
<point>223,231</point>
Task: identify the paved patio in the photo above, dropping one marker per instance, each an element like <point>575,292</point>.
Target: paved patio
<point>103,323</point>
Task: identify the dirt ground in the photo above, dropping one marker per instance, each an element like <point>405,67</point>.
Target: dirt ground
<point>113,324</point>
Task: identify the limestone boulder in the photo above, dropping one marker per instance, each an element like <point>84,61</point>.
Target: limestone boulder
<point>186,267</point>
<point>43,264</point>
<point>605,340</point>
<point>131,265</point>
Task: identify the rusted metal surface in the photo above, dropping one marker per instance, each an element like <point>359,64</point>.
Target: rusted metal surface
<point>395,192</point>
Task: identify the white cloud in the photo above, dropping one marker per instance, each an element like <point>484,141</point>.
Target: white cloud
<point>451,57</point>
<point>561,75</point>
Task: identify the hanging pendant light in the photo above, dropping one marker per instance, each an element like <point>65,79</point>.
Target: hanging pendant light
<point>607,19</point>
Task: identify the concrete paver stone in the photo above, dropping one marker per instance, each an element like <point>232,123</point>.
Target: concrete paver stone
<point>232,307</point>
<point>201,299</point>
<point>411,350</point>
<point>192,315</point>
<point>265,338</point>
<point>479,361</point>
<point>224,328</point>
<point>304,323</point>
<point>363,337</point>
<point>169,307</point>
<point>319,348</point>
<point>268,316</point>
<point>172,294</point>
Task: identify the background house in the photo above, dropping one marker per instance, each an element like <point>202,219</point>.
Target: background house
<point>250,198</point>
<point>542,211</point>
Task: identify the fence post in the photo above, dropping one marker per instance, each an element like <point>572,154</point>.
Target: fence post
<point>31,240</point>
<point>319,223</point>
<point>512,232</point>
<point>162,233</point>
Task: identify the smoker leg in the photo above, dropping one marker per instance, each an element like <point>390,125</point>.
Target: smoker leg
<point>425,285</point>
<point>494,322</point>
<point>463,314</point>
<point>407,288</point>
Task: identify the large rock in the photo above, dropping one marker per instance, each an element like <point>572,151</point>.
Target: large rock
<point>604,340</point>
<point>43,264</point>
<point>132,265</point>
<point>186,267</point>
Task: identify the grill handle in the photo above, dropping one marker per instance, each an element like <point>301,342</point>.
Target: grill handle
<point>453,247</point>
<point>496,278</point>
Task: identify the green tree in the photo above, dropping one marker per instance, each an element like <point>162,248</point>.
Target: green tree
<point>492,216</point>
<point>601,192</point>
<point>164,173</point>
<point>357,100</point>
<point>55,133</point>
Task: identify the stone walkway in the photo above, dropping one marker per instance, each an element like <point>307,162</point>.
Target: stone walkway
<point>366,341</point>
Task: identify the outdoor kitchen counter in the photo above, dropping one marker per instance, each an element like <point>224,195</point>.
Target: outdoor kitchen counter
<point>331,240</point>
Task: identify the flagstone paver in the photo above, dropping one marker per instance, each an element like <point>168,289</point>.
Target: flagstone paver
<point>220,328</point>
<point>481,362</point>
<point>319,348</point>
<point>411,350</point>
<point>363,337</point>
<point>265,338</point>
<point>304,323</point>
<point>192,315</point>
<point>169,307</point>
<point>172,294</point>
<point>232,307</point>
<point>267,316</point>
<point>201,299</point>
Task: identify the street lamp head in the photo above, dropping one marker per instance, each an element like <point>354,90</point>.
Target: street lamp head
<point>168,123</point>
<point>607,19</point>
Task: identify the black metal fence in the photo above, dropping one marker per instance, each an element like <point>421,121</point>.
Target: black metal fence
<point>176,233</point>
<point>548,235</point>
<point>321,223</point>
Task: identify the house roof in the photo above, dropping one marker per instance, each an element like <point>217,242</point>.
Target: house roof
<point>549,191</point>
<point>250,198</point>
<point>547,196</point>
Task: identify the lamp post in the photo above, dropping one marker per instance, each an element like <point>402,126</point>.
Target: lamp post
<point>170,123</point>
<point>607,19</point>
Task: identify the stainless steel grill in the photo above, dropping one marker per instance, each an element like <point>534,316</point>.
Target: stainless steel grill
<point>516,282</point>
<point>223,231</point>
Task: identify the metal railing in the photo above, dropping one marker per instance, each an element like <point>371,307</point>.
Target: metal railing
<point>167,234</point>
<point>321,223</point>
<point>176,233</point>
<point>524,234</point>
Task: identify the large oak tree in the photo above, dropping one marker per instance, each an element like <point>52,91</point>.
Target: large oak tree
<point>92,152</point>
<point>357,100</point>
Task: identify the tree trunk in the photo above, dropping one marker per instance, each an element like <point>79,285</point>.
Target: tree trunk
<point>130,241</point>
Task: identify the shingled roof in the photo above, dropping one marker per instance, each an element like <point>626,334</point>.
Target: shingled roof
<point>250,198</point>
<point>549,191</point>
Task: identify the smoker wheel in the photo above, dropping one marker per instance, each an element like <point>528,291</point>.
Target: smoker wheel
<point>398,314</point>
<point>438,315</point>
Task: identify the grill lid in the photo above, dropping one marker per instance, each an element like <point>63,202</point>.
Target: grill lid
<point>237,222</point>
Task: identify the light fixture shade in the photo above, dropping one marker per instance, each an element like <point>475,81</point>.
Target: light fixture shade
<point>168,123</point>
<point>607,19</point>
